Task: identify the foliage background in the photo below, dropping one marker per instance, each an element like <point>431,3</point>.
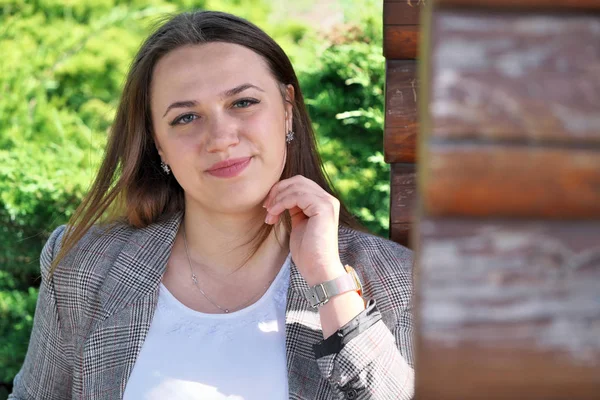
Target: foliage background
<point>62,65</point>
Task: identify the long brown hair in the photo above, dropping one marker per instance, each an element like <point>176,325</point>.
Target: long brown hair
<point>130,185</point>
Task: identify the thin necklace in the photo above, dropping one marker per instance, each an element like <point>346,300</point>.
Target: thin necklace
<point>195,281</point>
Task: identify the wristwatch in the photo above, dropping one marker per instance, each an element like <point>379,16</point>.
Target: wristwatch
<point>321,293</point>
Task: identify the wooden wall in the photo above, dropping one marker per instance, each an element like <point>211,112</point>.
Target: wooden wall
<point>507,221</point>
<point>401,38</point>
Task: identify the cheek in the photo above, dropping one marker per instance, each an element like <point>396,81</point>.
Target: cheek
<point>177,149</point>
<point>268,131</point>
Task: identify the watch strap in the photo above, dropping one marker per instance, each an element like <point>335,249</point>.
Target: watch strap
<point>321,293</point>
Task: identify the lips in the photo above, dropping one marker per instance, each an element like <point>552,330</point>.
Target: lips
<point>229,168</point>
<point>227,163</point>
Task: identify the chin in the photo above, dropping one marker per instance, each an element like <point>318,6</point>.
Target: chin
<point>238,208</point>
<point>239,201</point>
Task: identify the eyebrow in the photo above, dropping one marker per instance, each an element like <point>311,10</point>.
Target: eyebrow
<point>225,94</point>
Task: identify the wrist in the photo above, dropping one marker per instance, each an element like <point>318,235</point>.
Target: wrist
<point>339,311</point>
<point>324,274</point>
<point>321,293</point>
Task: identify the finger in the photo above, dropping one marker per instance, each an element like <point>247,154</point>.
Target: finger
<point>277,188</point>
<point>311,204</point>
<point>298,190</point>
<point>296,180</point>
<point>296,216</point>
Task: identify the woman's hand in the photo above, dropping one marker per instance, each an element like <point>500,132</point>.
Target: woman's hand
<point>314,237</point>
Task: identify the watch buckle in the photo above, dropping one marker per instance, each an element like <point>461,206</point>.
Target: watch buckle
<point>320,299</point>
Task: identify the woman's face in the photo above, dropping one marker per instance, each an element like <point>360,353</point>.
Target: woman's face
<point>197,124</point>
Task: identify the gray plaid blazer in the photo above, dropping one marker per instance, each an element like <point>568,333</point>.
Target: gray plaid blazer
<point>93,315</point>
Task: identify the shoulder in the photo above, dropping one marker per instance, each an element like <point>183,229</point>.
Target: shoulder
<point>51,249</point>
<point>384,266</point>
<point>361,246</point>
<point>99,242</point>
<point>368,244</point>
<point>80,275</point>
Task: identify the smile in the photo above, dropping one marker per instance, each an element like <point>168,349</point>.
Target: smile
<point>231,170</point>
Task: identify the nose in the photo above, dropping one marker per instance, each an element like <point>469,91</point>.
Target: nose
<point>222,134</point>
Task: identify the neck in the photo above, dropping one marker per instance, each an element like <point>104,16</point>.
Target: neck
<point>222,243</point>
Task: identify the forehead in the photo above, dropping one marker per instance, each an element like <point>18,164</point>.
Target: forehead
<point>207,69</point>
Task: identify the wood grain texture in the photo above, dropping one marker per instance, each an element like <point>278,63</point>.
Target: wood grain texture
<point>402,12</point>
<point>509,309</point>
<point>401,233</point>
<point>400,42</point>
<point>401,119</point>
<point>523,4</point>
<point>400,144</point>
<point>510,181</point>
<point>403,201</point>
<point>403,193</point>
<point>515,77</point>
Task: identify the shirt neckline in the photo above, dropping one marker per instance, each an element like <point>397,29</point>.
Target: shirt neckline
<point>168,296</point>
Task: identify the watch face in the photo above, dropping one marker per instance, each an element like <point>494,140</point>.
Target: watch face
<point>352,272</point>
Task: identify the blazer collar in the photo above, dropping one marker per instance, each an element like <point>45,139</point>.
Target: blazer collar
<point>139,267</point>
<point>131,288</point>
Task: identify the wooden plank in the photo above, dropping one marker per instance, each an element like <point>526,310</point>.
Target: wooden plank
<point>400,42</point>
<point>401,233</point>
<point>400,144</point>
<point>403,200</point>
<point>510,181</point>
<point>402,12</point>
<point>508,310</point>
<point>403,196</point>
<point>515,77</point>
<point>523,4</point>
<point>401,119</point>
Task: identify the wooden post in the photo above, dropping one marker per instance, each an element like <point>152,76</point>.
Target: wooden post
<point>508,234</point>
<point>401,38</point>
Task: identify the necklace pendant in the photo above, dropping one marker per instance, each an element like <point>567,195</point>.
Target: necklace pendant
<point>194,279</point>
<point>226,311</point>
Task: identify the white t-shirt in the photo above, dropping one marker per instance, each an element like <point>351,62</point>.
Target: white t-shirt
<point>192,355</point>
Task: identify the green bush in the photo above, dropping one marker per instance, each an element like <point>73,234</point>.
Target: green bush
<point>61,72</point>
<point>343,87</point>
<point>16,319</point>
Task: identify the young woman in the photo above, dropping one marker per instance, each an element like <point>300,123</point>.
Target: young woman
<point>229,270</point>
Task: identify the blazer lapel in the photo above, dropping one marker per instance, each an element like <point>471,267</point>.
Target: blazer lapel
<point>140,265</point>
<point>128,299</point>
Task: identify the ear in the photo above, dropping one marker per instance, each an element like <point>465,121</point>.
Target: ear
<point>159,150</point>
<point>289,107</point>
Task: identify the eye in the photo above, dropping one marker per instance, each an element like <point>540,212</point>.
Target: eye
<point>183,119</point>
<point>246,101</point>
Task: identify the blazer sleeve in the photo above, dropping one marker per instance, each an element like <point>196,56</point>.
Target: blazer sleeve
<point>46,371</point>
<point>368,358</point>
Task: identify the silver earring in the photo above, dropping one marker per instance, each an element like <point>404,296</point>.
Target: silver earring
<point>289,136</point>
<point>165,167</point>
